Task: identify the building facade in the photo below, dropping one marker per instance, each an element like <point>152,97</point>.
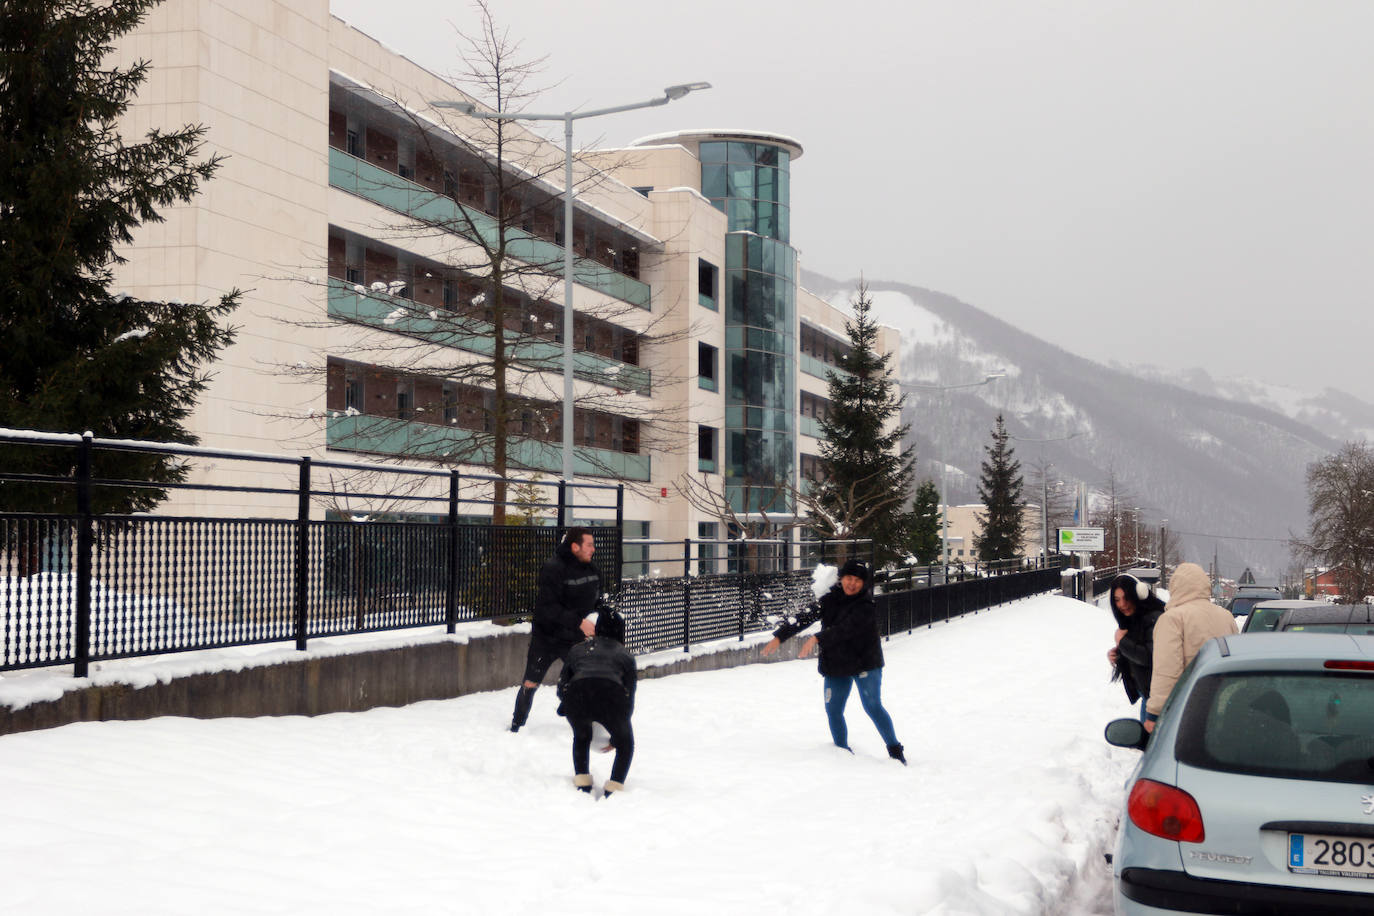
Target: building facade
<point>360,221</point>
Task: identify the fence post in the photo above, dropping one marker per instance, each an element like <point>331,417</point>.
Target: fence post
<point>743,592</point>
<point>562,507</point>
<point>451,598</point>
<point>302,552</point>
<point>620,535</point>
<point>85,540</point>
<point>686,594</point>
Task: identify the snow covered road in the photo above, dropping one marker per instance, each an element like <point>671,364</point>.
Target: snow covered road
<point>736,802</point>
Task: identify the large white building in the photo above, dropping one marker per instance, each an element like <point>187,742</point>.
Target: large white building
<point>347,209</point>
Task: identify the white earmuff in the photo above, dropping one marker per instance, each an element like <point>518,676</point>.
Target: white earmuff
<point>1142,591</point>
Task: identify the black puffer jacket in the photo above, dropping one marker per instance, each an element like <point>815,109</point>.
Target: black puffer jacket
<point>848,638</point>
<point>1135,652</point>
<point>600,657</point>
<point>568,590</point>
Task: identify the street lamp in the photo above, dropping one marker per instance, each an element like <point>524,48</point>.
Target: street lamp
<point>1045,492</point>
<point>944,465</point>
<point>672,93</point>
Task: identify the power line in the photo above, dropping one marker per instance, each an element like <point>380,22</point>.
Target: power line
<point>1233,537</point>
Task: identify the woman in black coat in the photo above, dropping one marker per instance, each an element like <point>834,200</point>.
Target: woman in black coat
<point>1136,608</point>
<point>851,652</point>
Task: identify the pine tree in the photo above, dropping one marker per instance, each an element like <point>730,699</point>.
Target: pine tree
<point>999,487</point>
<point>77,357</point>
<point>866,475</point>
<point>925,524</point>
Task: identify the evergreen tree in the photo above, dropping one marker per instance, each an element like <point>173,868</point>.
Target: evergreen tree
<point>999,487</point>
<point>865,474</point>
<point>77,357</point>
<point>925,524</point>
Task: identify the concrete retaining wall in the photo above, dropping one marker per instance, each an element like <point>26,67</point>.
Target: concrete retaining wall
<point>340,683</point>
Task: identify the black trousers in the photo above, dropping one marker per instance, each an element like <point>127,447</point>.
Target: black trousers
<point>600,700</point>
<point>538,660</point>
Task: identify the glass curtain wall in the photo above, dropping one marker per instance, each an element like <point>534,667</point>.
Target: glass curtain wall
<point>749,182</point>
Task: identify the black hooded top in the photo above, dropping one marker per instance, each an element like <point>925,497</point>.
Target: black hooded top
<point>568,590</point>
<point>848,638</point>
<point>1135,652</point>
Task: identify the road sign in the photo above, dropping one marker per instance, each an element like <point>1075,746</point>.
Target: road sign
<point>1082,540</point>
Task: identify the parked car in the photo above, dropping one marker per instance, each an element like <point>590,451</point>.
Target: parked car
<point>1255,793</point>
<point>1265,614</point>
<point>1247,596</point>
<point>1321,617</point>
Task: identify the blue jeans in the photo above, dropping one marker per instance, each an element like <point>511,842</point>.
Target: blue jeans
<point>870,695</point>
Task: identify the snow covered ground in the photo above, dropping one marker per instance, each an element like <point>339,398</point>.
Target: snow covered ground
<point>736,802</point>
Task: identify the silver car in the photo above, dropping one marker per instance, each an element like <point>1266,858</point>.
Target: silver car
<point>1255,794</point>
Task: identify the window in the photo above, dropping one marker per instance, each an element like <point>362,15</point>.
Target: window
<point>707,283</point>
<point>405,399</point>
<point>706,553</point>
<point>353,144</point>
<point>810,466</point>
<point>405,171</point>
<point>353,390</point>
<point>706,366</point>
<point>1296,725</point>
<point>706,449</point>
<point>450,398</point>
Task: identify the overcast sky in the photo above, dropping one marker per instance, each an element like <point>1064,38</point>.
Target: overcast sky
<point>1179,182</point>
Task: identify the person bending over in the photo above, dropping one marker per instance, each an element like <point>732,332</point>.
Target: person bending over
<point>598,685</point>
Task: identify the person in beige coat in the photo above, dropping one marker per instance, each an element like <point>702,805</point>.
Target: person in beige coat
<point>1189,620</point>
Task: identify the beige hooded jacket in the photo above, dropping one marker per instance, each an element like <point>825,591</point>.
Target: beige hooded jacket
<point>1189,620</point>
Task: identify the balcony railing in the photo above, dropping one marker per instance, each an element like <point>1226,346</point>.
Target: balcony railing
<point>392,313</point>
<point>389,436</point>
<point>390,190</point>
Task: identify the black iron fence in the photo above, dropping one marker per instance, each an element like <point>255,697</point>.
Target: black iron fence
<point>81,587</point>
<point>722,589</point>
<point>77,587</point>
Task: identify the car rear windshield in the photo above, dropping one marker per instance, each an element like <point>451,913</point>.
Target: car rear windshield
<point>1315,725</point>
<point>1263,619</point>
<point>1241,606</point>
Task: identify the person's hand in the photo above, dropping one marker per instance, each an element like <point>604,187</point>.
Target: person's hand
<point>588,628</point>
<point>1119,634</point>
<point>807,647</point>
<point>1111,655</point>
<point>770,647</point>
<point>1149,726</point>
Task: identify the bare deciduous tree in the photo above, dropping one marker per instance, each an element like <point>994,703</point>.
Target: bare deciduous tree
<point>1340,494</point>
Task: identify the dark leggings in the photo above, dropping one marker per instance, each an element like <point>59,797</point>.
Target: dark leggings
<point>599,700</point>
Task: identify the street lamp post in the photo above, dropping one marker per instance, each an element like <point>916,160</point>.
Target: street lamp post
<point>1045,493</point>
<point>670,94</point>
<point>944,465</point>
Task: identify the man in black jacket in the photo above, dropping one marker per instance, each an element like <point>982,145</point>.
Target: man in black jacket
<point>598,685</point>
<point>569,586</point>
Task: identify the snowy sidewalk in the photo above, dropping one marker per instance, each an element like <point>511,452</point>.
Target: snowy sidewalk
<point>736,802</point>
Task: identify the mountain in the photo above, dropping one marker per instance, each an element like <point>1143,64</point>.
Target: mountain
<point>1225,467</point>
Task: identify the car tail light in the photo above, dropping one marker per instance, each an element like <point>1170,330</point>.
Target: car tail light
<point>1165,811</point>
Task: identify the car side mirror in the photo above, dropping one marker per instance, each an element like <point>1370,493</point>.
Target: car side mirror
<point>1127,733</point>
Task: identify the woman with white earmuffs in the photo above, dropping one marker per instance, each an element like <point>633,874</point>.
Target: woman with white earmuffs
<point>1136,608</point>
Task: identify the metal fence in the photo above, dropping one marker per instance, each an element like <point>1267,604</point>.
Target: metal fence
<point>730,589</point>
<point>80,587</point>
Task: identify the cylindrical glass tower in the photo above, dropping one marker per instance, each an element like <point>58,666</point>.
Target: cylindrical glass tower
<point>747,176</point>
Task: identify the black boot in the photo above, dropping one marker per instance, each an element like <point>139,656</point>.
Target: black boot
<point>523,701</point>
<point>895,752</point>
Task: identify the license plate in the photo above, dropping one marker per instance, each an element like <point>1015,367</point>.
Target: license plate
<point>1319,854</point>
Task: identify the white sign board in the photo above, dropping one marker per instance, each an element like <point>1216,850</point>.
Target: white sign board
<point>1082,540</point>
